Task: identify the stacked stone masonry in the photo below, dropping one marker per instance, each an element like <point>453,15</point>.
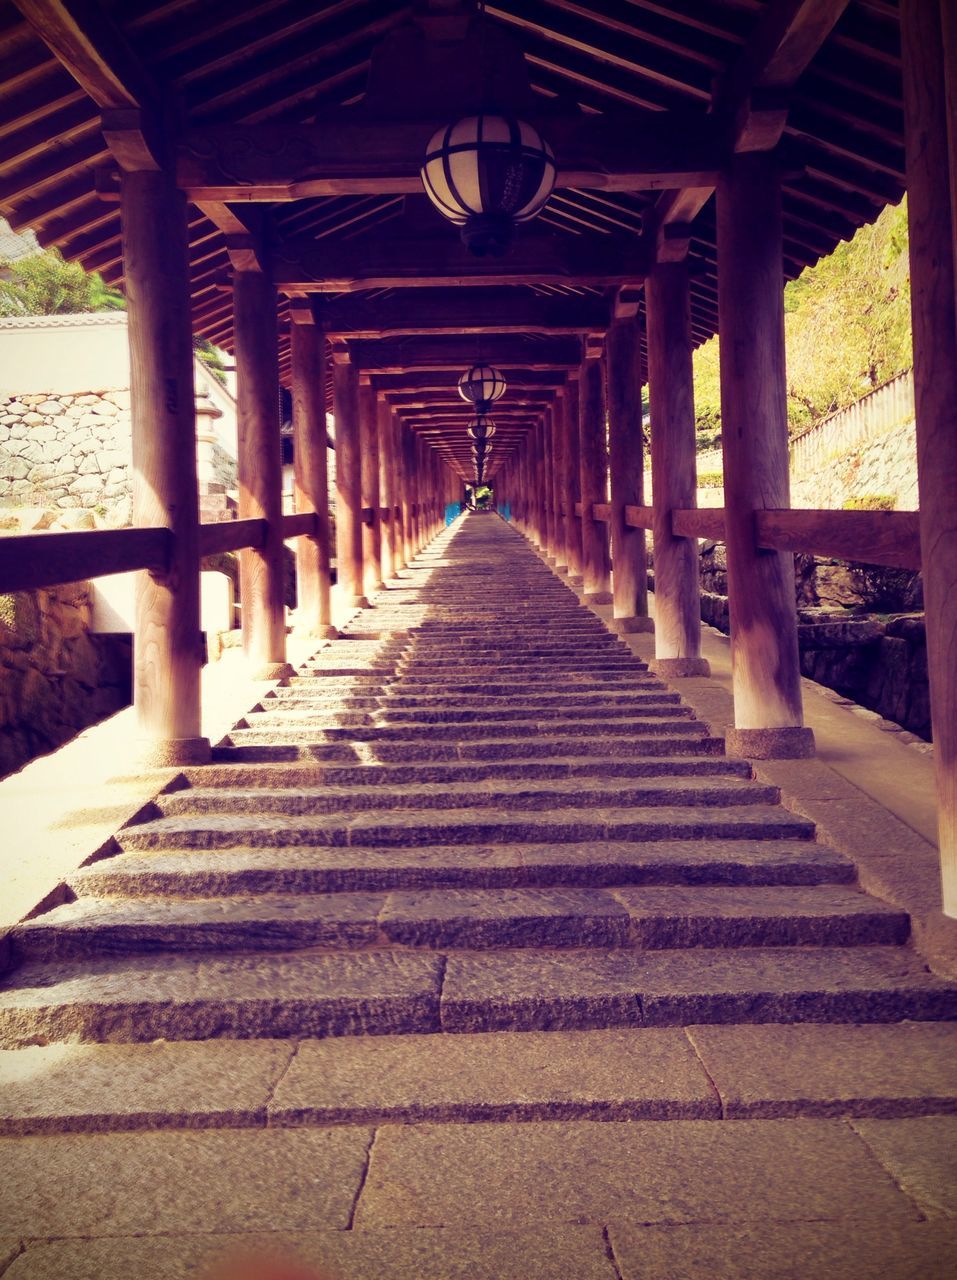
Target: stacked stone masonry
<point>474,863</point>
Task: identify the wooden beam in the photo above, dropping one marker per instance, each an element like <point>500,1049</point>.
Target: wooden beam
<point>347,155</point>
<point>409,354</point>
<point>889,538</point>
<point>32,560</point>
<point>475,312</point>
<point>93,49</point>
<point>394,259</point>
<point>749,102</point>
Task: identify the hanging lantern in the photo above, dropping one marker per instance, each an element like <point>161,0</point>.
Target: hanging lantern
<point>485,173</point>
<point>482,385</point>
<point>481,428</point>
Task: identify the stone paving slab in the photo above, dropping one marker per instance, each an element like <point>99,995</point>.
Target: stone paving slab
<point>847,1250</point>
<point>87,1087</point>
<point>207,873</point>
<point>620,1073</point>
<point>109,1184</point>
<point>516,990</point>
<point>654,1172</point>
<point>8,1251</point>
<point>579,1253</point>
<point>194,997</point>
<point>747,915</point>
<point>891,1069</point>
<point>920,1154</point>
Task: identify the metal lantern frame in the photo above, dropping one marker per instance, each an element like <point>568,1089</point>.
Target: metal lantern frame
<point>485,173</point>
<point>482,385</point>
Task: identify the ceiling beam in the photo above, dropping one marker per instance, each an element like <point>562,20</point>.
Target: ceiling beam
<point>400,355</point>
<point>476,312</point>
<point>92,48</point>
<point>348,155</point>
<point>397,258</point>
<point>750,101</point>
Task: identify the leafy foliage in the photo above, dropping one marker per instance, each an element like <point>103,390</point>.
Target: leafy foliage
<point>44,284</point>
<point>211,357</point>
<point>847,329</point>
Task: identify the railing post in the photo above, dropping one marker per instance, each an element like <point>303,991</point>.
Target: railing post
<point>167,648</point>
<point>626,462</point>
<point>768,713</point>
<point>262,585</point>
<point>929,47</point>
<point>311,464</point>
<point>673,472</point>
<point>345,384</point>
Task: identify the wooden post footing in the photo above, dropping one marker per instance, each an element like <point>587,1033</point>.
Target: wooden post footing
<point>680,668</point>
<point>162,754</point>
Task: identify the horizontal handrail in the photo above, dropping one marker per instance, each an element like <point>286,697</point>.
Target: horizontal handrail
<point>699,522</point>
<point>32,560</point>
<point>601,511</point>
<point>231,535</point>
<point>639,517</point>
<point>890,538</point>
<point>301,525</point>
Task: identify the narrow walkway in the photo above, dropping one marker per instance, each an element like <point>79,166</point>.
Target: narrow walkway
<point>688,1044</point>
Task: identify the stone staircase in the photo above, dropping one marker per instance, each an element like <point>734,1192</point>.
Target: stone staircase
<point>477,812</point>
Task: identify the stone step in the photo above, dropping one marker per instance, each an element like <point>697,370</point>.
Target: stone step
<point>464,826</point>
<point>467,680</point>
<point>276,744</point>
<point>301,994</point>
<point>623,1073</point>
<point>268,774</point>
<point>503,794</point>
<point>292,723</point>
<point>591,709</point>
<point>649,918</point>
<point>218,872</point>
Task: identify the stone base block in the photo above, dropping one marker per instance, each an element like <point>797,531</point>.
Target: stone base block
<point>167,752</point>
<point>631,626</point>
<point>575,580</point>
<point>790,743</point>
<point>679,668</point>
<point>274,671</point>
<point>327,632</point>
<point>599,597</point>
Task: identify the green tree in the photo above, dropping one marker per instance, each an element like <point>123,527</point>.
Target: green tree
<point>44,284</point>
<point>847,329</point>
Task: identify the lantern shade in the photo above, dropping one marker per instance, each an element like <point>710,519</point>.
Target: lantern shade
<point>485,173</point>
<point>481,428</point>
<point>481,385</point>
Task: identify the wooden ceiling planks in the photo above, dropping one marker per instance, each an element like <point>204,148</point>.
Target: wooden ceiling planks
<point>287,60</point>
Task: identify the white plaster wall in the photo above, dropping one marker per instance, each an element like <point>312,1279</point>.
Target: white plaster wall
<point>64,354</point>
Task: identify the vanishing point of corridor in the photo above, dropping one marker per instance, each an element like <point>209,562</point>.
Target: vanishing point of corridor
<point>472,954</point>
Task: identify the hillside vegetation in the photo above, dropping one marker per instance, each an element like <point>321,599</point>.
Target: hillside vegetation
<point>847,326</point>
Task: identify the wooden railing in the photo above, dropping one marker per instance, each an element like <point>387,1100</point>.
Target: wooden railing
<point>32,560</point>
<point>28,561</point>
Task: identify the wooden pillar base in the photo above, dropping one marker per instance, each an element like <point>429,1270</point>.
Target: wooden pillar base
<point>631,626</point>
<point>788,743</point>
<point>163,754</point>
<point>598,597</point>
<point>681,669</point>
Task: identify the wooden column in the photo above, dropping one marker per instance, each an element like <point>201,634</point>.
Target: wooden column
<point>387,481</point>
<point>556,417</point>
<point>768,714</point>
<point>311,466</point>
<point>629,561</point>
<point>261,569</point>
<point>345,411</point>
<point>369,486</point>
<point>548,472</point>
<point>573,546</point>
<point>673,472</point>
<point>929,48</point>
<point>405,500</point>
<point>398,492</point>
<point>596,560</point>
<point>167,644</point>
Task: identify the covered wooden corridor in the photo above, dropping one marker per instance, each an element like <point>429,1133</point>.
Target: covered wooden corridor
<point>475,810</point>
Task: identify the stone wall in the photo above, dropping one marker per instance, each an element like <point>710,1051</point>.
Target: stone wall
<point>66,453</point>
<point>55,677</point>
<point>885,466</point>
<point>859,631</point>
